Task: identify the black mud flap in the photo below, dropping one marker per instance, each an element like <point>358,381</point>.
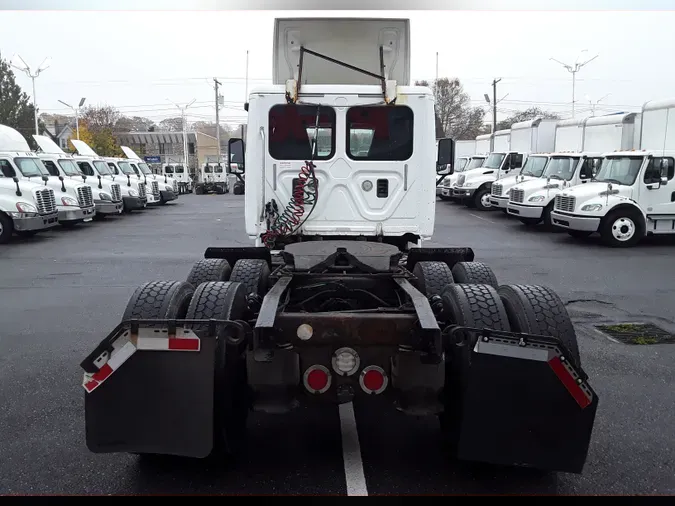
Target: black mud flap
<point>150,390</point>
<point>521,403</point>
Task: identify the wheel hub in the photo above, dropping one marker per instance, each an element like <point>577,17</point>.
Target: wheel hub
<point>623,229</point>
<point>485,200</point>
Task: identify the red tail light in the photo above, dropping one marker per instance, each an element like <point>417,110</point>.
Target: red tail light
<point>373,380</point>
<point>317,379</point>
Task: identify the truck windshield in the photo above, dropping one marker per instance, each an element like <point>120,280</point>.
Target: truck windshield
<point>126,168</point>
<point>534,166</point>
<point>461,163</point>
<point>144,168</point>
<point>31,167</point>
<point>102,168</point>
<point>619,170</point>
<point>69,167</point>
<point>289,127</point>
<point>494,160</point>
<point>561,167</point>
<point>380,133</point>
<point>474,163</point>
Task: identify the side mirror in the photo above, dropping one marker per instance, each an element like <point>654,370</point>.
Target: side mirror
<point>664,166</point>
<point>60,178</point>
<point>446,154</point>
<point>236,150</point>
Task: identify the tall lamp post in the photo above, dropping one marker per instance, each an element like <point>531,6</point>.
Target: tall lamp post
<point>573,69</point>
<point>185,142</point>
<point>77,115</point>
<point>25,68</point>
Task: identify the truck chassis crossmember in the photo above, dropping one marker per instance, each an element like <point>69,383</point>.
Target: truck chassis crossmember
<point>332,322</point>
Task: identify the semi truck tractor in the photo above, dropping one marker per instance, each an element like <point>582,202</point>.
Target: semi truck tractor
<point>74,202</point>
<point>26,207</point>
<point>336,300</point>
<point>572,163</point>
<point>632,195</point>
<point>534,138</point>
<point>212,178</point>
<point>168,188</point>
<point>176,171</point>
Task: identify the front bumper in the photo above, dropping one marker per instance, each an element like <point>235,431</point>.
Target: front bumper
<point>167,195</point>
<point>108,207</point>
<point>152,199</point>
<point>572,222</point>
<point>132,203</point>
<point>500,202</point>
<point>463,193</point>
<point>41,222</point>
<point>68,214</point>
<point>523,211</point>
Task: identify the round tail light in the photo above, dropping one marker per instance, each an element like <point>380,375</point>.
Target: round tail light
<point>317,379</point>
<point>373,380</point>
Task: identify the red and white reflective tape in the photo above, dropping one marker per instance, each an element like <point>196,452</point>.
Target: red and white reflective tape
<point>127,344</point>
<point>541,353</point>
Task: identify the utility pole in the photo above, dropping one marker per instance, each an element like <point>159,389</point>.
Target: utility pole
<point>573,70</point>
<point>494,104</point>
<point>217,83</point>
<point>77,115</point>
<point>245,97</point>
<point>185,141</point>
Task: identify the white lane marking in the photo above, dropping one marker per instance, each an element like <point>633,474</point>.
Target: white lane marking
<point>351,451</point>
<point>481,218</point>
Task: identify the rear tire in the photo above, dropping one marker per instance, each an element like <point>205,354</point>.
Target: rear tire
<point>238,189</point>
<point>225,300</point>
<point>159,300</point>
<point>6,228</point>
<point>477,306</point>
<point>538,310</point>
<point>253,274</point>
<point>209,269</point>
<point>432,277</point>
<point>476,273</point>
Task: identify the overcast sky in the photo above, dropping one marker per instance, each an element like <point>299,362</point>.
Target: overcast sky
<point>135,61</point>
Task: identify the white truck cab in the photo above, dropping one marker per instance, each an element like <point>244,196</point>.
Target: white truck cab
<point>130,169</point>
<point>633,192</point>
<point>167,188</point>
<point>462,164</point>
<point>211,178</point>
<point>73,198</point>
<point>177,172</point>
<point>527,137</point>
<point>26,207</point>
<point>96,191</point>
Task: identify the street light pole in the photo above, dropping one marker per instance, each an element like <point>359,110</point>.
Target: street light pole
<point>573,70</point>
<point>185,142</point>
<point>77,114</point>
<point>25,68</point>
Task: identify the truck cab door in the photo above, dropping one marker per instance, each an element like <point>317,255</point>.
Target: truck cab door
<point>657,188</point>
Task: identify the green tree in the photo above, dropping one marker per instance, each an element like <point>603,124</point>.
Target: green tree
<point>16,111</point>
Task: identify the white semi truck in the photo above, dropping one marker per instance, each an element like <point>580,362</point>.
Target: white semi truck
<point>580,144</point>
<point>633,193</point>
<point>534,139</point>
<point>168,188</point>
<point>462,164</point>
<point>337,301</point>
<point>212,178</point>
<point>106,195</point>
<point>26,207</point>
<point>74,202</point>
<point>177,172</point>
<point>473,186</point>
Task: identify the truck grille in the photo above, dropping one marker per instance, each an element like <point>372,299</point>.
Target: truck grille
<point>175,185</point>
<point>155,188</point>
<point>497,189</point>
<point>85,196</point>
<point>141,190</point>
<point>46,201</point>
<point>115,192</point>
<point>564,203</point>
<point>460,180</point>
<point>517,195</point>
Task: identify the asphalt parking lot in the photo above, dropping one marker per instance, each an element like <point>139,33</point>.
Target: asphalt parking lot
<point>63,290</point>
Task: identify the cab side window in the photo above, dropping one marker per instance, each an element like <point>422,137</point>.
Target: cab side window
<point>85,168</point>
<point>653,170</point>
<point>516,160</point>
<point>51,167</point>
<point>7,169</point>
<point>590,168</point>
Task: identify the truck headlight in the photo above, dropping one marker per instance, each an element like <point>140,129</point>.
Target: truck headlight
<point>104,196</point>
<point>536,198</point>
<point>69,201</point>
<point>592,207</point>
<point>133,193</point>
<point>25,207</point>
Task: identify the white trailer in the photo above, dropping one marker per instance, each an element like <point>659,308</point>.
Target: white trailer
<point>631,195</point>
<point>463,149</point>
<point>338,301</point>
<point>501,141</point>
<point>534,139</point>
<point>484,144</point>
<point>532,201</point>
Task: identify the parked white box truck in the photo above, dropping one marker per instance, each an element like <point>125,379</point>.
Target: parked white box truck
<point>532,201</point>
<point>633,193</point>
<point>534,139</point>
<point>484,144</point>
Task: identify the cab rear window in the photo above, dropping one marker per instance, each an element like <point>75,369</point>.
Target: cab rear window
<point>380,133</point>
<point>293,127</point>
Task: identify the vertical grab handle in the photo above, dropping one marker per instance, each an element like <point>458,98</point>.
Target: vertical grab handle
<point>262,181</point>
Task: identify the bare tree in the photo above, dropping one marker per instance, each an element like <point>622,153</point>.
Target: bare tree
<point>526,115</point>
<point>133,124</point>
<point>171,125</point>
<point>100,117</point>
